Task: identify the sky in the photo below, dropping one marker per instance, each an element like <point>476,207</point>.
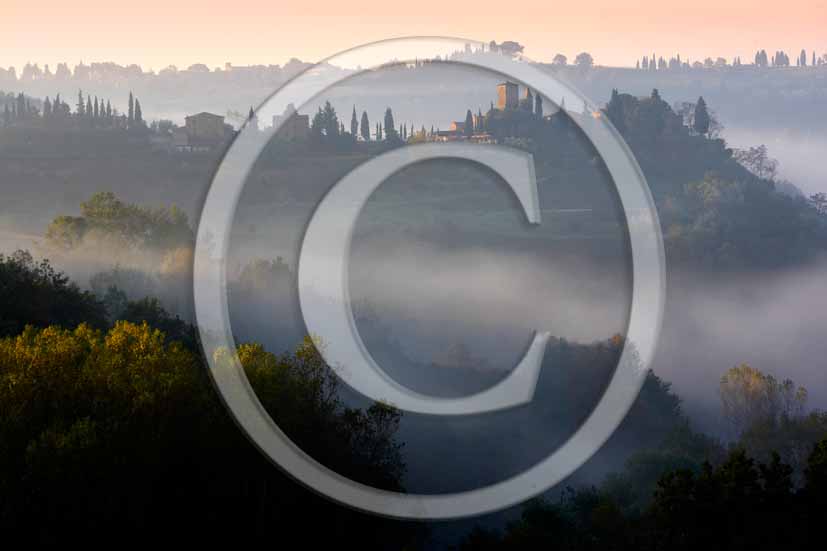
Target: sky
<point>158,33</point>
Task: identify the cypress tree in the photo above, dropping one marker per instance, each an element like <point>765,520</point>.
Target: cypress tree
<point>131,116</point>
<point>365,126</point>
<point>139,118</point>
<point>701,124</point>
<point>354,123</point>
<point>469,124</point>
<point>390,127</point>
<point>81,106</point>
<point>89,109</point>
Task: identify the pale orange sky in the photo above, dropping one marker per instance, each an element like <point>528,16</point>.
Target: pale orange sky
<point>157,33</point>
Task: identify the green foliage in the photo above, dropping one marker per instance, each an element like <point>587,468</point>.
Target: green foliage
<point>106,434</point>
<point>150,311</point>
<point>738,505</point>
<point>107,218</point>
<point>33,293</point>
<point>732,224</point>
<point>769,417</point>
<point>749,396</point>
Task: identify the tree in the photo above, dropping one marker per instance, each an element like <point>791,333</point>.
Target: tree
<point>468,129</point>
<point>121,430</point>
<point>105,219</point>
<point>701,117</point>
<point>330,120</point>
<point>584,60</point>
<point>131,113</point>
<point>81,106</point>
<point>34,293</point>
<point>614,109</point>
<point>819,202</point>
<point>560,60</point>
<point>365,126</point>
<point>354,124</point>
<point>390,127</point>
<point>749,396</point>
<point>757,160</point>
<point>139,117</point>
<point>252,119</point>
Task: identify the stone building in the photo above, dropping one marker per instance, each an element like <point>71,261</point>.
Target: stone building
<point>507,96</point>
<point>458,127</point>
<point>294,127</point>
<point>201,132</point>
<point>205,127</point>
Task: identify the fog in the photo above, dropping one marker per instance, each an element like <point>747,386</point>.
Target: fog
<point>448,303</point>
<point>800,153</point>
<point>774,322</point>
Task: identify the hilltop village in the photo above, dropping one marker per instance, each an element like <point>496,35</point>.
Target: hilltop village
<point>515,111</point>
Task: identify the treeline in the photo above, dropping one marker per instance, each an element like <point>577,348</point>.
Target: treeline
<point>112,429</point>
<point>767,491</point>
<point>761,59</point>
<point>719,207</point>
<point>740,504</point>
<point>113,72</point>
<point>327,128</point>
<point>88,111</point>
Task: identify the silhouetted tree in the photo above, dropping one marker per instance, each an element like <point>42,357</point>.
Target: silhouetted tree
<point>365,126</point>
<point>354,124</point>
<point>701,124</point>
<point>469,124</point>
<point>81,106</point>
<point>584,60</point>
<point>390,127</point>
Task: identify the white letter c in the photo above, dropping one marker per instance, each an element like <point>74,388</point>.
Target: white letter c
<point>324,291</point>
